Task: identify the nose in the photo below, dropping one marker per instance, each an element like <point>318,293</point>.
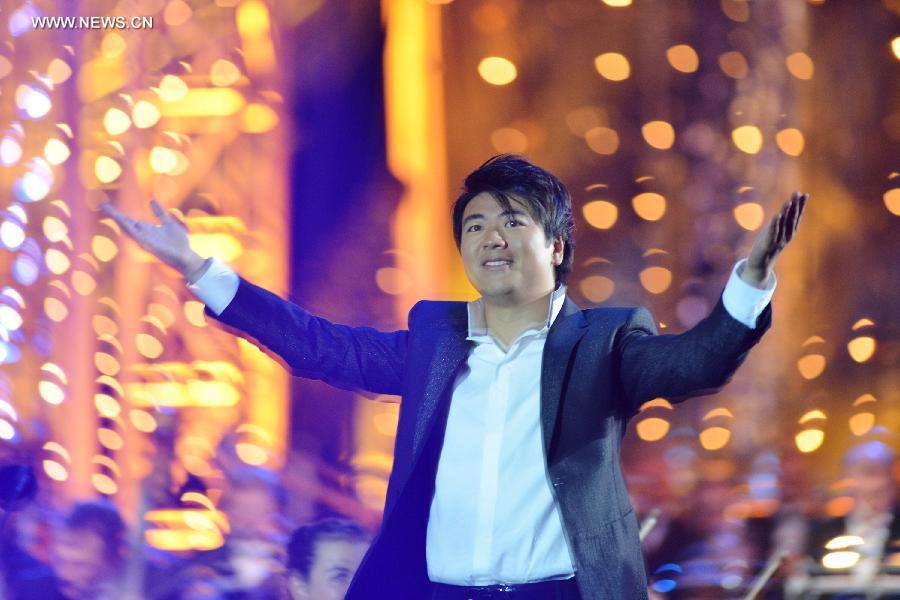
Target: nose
<point>494,239</point>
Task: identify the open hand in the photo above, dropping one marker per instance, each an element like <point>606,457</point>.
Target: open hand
<point>772,240</point>
<point>167,241</point>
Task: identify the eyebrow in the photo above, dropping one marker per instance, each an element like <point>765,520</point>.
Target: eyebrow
<point>505,213</point>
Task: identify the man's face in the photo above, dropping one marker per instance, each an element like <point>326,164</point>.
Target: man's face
<point>874,485</point>
<point>505,254</point>
<point>252,513</point>
<point>334,564</point>
<point>79,561</point>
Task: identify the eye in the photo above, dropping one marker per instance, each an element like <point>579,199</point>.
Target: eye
<point>473,228</point>
<point>513,222</point>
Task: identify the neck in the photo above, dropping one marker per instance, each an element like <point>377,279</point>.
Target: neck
<point>507,320</point>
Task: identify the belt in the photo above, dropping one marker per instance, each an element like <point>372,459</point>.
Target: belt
<point>561,589</point>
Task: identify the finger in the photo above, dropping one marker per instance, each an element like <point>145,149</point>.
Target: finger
<point>776,233</point>
<point>791,219</point>
<point>110,209</point>
<point>159,211</point>
<point>121,219</point>
<point>784,227</point>
<point>798,211</point>
<point>803,200</point>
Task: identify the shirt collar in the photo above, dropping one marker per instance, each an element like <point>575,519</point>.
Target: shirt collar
<point>478,322</point>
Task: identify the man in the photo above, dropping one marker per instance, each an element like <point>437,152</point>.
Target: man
<point>875,517</point>
<point>250,564</point>
<point>86,557</point>
<point>323,557</point>
<point>506,476</point>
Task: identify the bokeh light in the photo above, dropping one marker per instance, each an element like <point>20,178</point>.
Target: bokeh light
<point>892,201</point>
<point>600,214</point>
<point>613,66</point>
<point>258,118</point>
<point>32,101</point>
<point>683,58</point>
<point>392,280</point>
<point>749,215</point>
<point>800,65</point>
<point>811,366</point>
<point>649,206</point>
<point>10,150</point>
<point>116,121</point>
<point>861,348</point>
<point>602,140</point>
<point>113,45</point>
<point>656,280</point>
<point>59,71</point>
<point>107,406</point>
<point>144,114</point>
<point>177,12</point>
<point>790,141</point>
<point>509,140</point>
<point>652,429</point>
<point>172,88</point>
<point>733,64</point>
<point>162,159</point>
<point>715,438</point>
<point>224,73</point>
<point>142,420</point>
<point>56,151</point>
<point>659,134</point>
<point>748,138</point>
<point>597,288</point>
<point>497,70</point>
<point>106,169</point>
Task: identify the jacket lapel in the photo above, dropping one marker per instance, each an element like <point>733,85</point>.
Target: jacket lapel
<point>451,350</point>
<point>569,326</point>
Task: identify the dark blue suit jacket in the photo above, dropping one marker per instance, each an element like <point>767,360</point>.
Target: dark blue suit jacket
<point>599,365</point>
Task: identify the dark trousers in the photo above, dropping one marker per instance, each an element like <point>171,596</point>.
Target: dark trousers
<point>559,589</point>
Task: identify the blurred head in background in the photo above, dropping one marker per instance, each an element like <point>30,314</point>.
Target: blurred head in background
<point>88,550</point>
<point>254,502</point>
<point>870,467</point>
<point>323,558</point>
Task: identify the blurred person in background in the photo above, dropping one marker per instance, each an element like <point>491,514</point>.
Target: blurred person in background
<point>708,545</point>
<point>87,557</point>
<point>250,564</point>
<point>875,516</point>
<point>323,557</point>
<point>785,530</point>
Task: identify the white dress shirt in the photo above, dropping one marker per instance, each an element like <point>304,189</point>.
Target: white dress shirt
<point>493,517</point>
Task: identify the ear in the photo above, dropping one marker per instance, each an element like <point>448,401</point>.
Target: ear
<point>297,587</point>
<point>559,247</point>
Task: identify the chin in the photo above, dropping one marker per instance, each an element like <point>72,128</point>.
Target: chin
<point>498,292</point>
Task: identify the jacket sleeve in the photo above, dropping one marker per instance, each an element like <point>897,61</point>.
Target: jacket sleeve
<point>353,358</point>
<point>699,361</point>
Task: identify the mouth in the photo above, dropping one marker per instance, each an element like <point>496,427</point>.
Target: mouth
<point>497,264</point>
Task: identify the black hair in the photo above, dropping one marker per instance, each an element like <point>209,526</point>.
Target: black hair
<point>103,519</point>
<point>302,547</point>
<point>509,176</point>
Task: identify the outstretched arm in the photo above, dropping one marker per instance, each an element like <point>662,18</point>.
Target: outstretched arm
<point>312,347</point>
<point>703,359</point>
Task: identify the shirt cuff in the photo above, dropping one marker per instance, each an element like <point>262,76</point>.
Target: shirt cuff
<point>217,287</point>
<point>743,301</point>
